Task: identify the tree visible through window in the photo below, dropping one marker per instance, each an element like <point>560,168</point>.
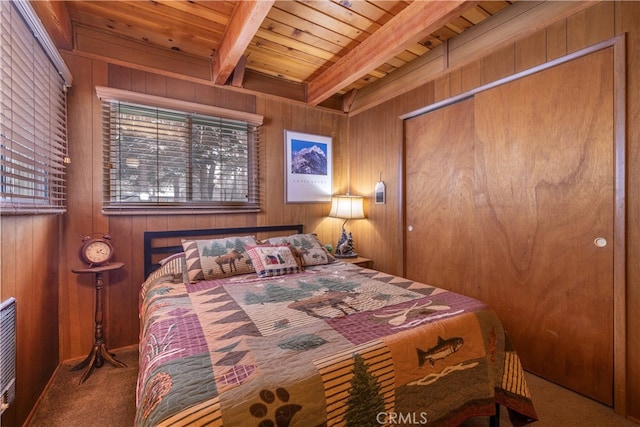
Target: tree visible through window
<point>162,158</point>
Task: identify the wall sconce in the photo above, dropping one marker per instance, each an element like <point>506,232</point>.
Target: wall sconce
<point>346,207</point>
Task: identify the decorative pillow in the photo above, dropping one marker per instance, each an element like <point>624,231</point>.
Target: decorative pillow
<point>273,260</point>
<point>217,258</point>
<point>306,248</point>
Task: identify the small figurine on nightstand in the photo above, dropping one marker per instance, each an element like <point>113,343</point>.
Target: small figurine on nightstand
<point>344,248</point>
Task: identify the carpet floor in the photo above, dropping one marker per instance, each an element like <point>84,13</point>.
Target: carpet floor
<point>107,399</point>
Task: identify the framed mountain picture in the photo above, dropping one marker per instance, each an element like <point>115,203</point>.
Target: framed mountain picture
<point>308,167</point>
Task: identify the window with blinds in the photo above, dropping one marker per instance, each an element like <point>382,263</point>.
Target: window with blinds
<point>33,131</point>
<point>158,160</point>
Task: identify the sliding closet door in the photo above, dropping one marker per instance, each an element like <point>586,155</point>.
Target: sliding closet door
<point>511,200</point>
<point>439,159</point>
<point>544,171</point>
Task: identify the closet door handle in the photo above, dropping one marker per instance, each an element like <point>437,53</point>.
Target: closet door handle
<point>600,242</point>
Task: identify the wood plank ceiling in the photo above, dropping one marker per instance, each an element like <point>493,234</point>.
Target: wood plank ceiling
<point>329,48</point>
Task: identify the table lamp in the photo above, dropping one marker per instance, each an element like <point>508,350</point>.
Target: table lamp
<point>346,207</point>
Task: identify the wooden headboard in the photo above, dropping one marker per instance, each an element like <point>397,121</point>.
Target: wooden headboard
<point>165,243</point>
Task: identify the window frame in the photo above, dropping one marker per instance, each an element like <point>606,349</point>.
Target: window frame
<point>109,96</point>
<point>33,115</point>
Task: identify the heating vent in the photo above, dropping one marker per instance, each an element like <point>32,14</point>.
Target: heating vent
<point>7,353</point>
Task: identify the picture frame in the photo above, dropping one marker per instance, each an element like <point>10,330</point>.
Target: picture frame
<point>308,164</point>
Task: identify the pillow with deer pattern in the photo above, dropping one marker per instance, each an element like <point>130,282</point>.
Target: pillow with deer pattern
<point>217,258</point>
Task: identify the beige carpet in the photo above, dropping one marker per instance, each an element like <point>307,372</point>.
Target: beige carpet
<point>107,399</point>
<point>558,407</point>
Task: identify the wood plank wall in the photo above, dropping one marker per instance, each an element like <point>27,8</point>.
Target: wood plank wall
<point>378,130</point>
<point>85,174</point>
<point>29,263</point>
<point>37,252</point>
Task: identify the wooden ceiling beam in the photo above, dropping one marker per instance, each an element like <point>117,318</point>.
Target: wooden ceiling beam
<point>520,20</point>
<point>56,19</point>
<point>238,72</point>
<point>243,25</point>
<point>406,28</point>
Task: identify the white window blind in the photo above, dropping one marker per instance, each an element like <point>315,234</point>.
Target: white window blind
<point>33,128</point>
<point>159,160</point>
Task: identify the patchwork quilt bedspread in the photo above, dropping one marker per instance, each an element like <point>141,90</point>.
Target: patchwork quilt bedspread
<point>334,345</point>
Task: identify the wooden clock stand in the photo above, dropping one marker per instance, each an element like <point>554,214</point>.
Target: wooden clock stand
<point>99,352</point>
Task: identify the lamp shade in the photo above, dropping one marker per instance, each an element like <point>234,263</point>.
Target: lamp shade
<point>347,207</point>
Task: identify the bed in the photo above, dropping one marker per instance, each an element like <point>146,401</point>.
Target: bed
<point>263,327</point>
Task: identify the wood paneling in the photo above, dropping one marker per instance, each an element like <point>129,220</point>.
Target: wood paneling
<point>83,198</point>
<point>29,259</point>
<point>561,36</point>
<point>318,45</point>
<point>100,44</point>
<point>519,20</point>
<point>498,64</point>
<point>379,128</point>
<point>85,173</point>
<point>530,51</point>
<point>590,26</point>
<point>375,132</point>
<point>628,19</point>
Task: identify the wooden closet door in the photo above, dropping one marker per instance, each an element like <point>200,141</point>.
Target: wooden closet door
<point>507,194</point>
<point>439,207</point>
<point>545,193</point>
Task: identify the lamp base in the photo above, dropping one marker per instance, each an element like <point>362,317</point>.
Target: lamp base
<point>344,248</point>
<point>351,255</point>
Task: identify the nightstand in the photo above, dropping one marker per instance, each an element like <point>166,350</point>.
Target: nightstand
<point>359,261</point>
<point>99,352</point>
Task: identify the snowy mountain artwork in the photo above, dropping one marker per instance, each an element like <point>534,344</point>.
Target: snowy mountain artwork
<point>308,158</point>
<point>308,173</point>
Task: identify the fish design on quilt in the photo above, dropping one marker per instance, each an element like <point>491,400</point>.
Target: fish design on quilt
<point>439,351</point>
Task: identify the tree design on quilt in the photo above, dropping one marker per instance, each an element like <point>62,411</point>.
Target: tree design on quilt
<point>365,400</point>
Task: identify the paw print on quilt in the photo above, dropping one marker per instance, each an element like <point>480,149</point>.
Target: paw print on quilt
<point>284,411</point>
